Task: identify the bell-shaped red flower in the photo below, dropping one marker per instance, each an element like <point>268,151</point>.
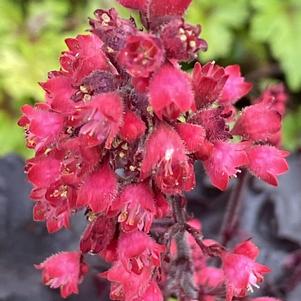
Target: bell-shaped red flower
<point>224,162</point>
<point>65,271</point>
<point>136,205</point>
<point>192,134</point>
<point>127,286</point>
<point>235,86</point>
<point>208,83</point>
<point>98,235</point>
<point>133,127</point>
<point>42,125</point>
<point>153,293</point>
<point>59,91</point>
<point>181,40</point>
<point>276,97</point>
<point>56,217</point>
<point>85,55</point>
<point>165,158</point>
<point>141,55</point>
<point>170,92</point>
<point>137,250</point>
<point>112,30</point>
<point>103,118</point>
<point>213,122</point>
<point>267,162</point>
<point>211,278</point>
<point>43,170</point>
<point>156,8</point>
<point>242,272</point>
<point>98,190</point>
<point>258,122</point>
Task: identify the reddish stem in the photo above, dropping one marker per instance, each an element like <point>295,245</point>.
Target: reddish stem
<point>233,208</point>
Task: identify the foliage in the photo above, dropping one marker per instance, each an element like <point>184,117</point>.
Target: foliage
<point>219,19</point>
<point>292,130</point>
<point>281,21</point>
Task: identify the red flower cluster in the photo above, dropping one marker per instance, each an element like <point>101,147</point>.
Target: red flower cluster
<point>119,133</point>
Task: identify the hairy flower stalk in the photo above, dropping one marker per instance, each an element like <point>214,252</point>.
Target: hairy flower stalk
<point>117,138</point>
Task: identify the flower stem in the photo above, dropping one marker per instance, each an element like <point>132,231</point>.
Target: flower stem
<point>233,208</point>
<point>213,250</point>
<point>185,286</point>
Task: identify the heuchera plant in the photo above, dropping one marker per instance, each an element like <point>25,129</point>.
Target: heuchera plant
<point>118,136</point>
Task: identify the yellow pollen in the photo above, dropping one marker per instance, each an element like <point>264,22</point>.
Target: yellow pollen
<point>106,18</point>
<point>182,119</point>
<point>122,216</point>
<point>87,98</point>
<point>83,89</point>
<point>91,216</point>
<point>192,44</point>
<point>132,168</point>
<point>125,146</point>
<point>183,38</point>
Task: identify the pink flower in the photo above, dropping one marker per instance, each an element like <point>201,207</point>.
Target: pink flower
<point>59,92</point>
<point>65,271</point>
<point>267,162</point>
<point>112,30</point>
<point>276,97</point>
<point>165,158</point>
<point>181,40</point>
<point>43,170</point>
<point>258,122</point>
<point>54,205</point>
<point>56,217</point>
<point>133,127</point>
<point>103,118</point>
<point>235,87</point>
<point>84,56</point>
<point>77,160</point>
<point>153,293</point>
<point>127,286</point>
<point>138,251</point>
<point>213,121</point>
<point>224,162</point>
<point>192,134</point>
<point>210,277</point>
<point>170,92</point>
<point>137,207</point>
<point>158,8</point>
<point>98,235</point>
<point>242,272</point>
<point>43,126</point>
<point>98,190</point>
<point>208,82</point>
<point>141,55</point>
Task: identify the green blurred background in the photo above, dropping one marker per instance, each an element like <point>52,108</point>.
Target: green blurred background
<point>263,36</point>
